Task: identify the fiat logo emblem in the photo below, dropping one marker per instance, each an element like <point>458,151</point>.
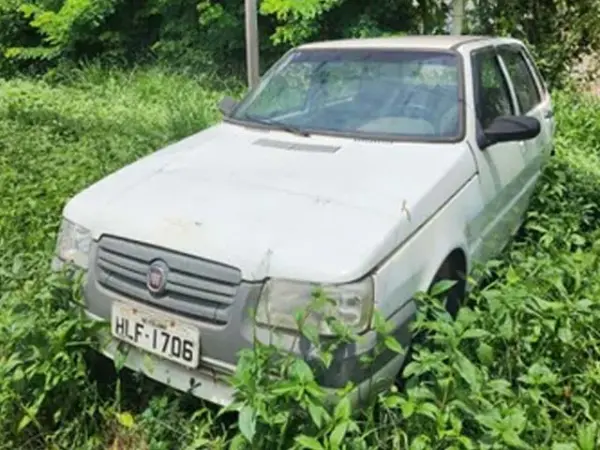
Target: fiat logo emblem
<point>156,279</point>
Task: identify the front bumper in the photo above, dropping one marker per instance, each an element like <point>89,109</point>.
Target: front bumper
<point>208,382</point>
<point>211,384</point>
<point>222,341</point>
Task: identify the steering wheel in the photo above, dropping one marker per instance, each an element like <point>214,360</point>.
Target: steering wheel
<point>414,110</point>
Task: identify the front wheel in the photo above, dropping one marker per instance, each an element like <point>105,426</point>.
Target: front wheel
<point>453,301</point>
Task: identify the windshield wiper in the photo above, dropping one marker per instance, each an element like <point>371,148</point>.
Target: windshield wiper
<point>279,125</point>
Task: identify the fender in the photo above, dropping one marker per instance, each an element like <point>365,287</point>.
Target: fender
<point>412,267</point>
<point>408,270</point>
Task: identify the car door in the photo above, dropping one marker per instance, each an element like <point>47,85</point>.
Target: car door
<point>502,167</point>
<point>532,100</point>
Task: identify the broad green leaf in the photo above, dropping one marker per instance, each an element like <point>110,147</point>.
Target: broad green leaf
<point>408,409</point>
<point>307,442</point>
<point>317,414</point>
<point>474,333</point>
<point>301,371</point>
<point>25,420</point>
<point>441,287</point>
<point>342,409</point>
<point>421,442</point>
<point>564,446</point>
<point>428,410</point>
<point>485,354</point>
<point>587,437</point>
<point>126,419</point>
<point>247,422</point>
<point>392,344</point>
<point>513,439</point>
<point>392,401</point>
<point>468,372</point>
<point>237,443</point>
<point>565,335</point>
<point>201,442</point>
<point>337,435</point>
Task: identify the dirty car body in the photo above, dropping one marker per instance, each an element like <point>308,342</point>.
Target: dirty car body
<point>361,166</point>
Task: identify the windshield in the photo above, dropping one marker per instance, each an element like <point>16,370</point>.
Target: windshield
<point>398,94</point>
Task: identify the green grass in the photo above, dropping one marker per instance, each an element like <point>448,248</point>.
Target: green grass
<point>519,369</point>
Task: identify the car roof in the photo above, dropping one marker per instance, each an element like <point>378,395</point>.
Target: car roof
<point>416,42</point>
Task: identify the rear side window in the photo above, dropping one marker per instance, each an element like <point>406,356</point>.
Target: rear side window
<point>536,72</point>
<point>528,94</point>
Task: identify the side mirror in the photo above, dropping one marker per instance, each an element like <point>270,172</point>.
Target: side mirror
<point>227,105</point>
<point>511,128</point>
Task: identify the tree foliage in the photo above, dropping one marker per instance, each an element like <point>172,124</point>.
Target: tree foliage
<point>197,32</point>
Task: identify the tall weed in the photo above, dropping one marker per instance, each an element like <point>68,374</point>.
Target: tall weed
<point>517,369</point>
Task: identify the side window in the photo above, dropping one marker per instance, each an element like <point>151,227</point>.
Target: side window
<point>492,97</point>
<point>526,88</point>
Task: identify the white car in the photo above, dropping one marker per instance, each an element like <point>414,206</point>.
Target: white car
<point>369,167</point>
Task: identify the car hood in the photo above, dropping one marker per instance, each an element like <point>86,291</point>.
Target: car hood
<point>274,204</point>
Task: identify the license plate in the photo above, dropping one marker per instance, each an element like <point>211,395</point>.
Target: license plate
<point>156,333</point>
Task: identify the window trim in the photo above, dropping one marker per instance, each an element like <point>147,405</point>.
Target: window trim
<point>511,85</point>
<point>461,88</point>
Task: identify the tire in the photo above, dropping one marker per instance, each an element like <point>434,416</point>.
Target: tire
<point>453,301</point>
<point>455,296</point>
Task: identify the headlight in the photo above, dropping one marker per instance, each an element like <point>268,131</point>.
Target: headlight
<point>73,244</point>
<point>351,304</point>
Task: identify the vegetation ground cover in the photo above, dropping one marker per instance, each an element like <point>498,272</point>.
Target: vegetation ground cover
<point>520,368</point>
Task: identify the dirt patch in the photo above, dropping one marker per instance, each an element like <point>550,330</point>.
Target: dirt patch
<point>586,73</point>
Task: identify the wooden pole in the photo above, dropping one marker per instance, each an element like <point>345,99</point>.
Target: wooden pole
<point>458,13</point>
<point>252,60</point>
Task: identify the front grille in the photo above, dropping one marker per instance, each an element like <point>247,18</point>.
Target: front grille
<point>197,288</point>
